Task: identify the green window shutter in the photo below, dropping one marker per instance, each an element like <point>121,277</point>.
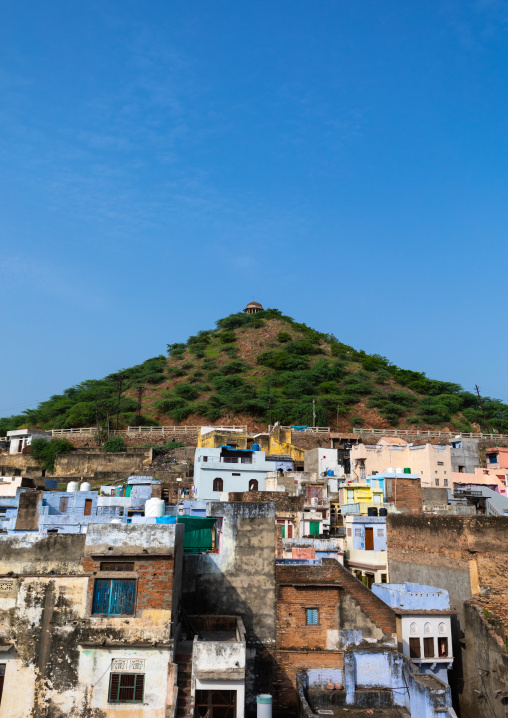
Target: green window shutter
<point>314,528</point>
<point>283,531</point>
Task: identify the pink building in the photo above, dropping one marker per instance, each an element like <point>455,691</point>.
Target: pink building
<point>497,458</point>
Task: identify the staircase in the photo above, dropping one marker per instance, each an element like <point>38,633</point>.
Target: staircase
<point>185,705</point>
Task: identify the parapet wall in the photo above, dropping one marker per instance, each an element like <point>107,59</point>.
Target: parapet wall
<point>466,555</point>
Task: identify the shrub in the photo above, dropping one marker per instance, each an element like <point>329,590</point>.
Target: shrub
<point>186,391</point>
<point>175,371</point>
<point>160,449</point>
<point>230,350</point>
<point>186,366</point>
<point>227,337</point>
<point>114,445</point>
<point>176,350</point>
<point>234,367</point>
<point>155,378</point>
<point>283,337</point>
<point>45,452</point>
<point>209,364</point>
<point>358,420</point>
<point>374,362</point>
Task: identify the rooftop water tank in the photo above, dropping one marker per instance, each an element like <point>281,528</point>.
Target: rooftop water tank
<point>383,511</point>
<point>371,511</point>
<point>115,521</point>
<point>72,486</point>
<point>390,470</point>
<point>155,507</point>
<point>256,447</point>
<point>399,470</point>
<point>85,486</point>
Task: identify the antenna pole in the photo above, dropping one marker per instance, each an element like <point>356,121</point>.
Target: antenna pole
<point>483,410</point>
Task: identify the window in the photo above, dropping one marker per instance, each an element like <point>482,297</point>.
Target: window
<point>218,484</point>
<point>414,648</point>
<point>114,597</point>
<point>428,647</point>
<point>461,469</point>
<point>126,687</point>
<point>117,566</point>
<point>253,485</point>
<point>358,533</point>
<point>2,675</point>
<point>437,482</point>
<point>88,507</point>
<point>236,473</point>
<point>349,532</point>
<point>64,502</point>
<point>440,463</point>
<point>445,482</point>
<point>442,647</point>
<point>426,628</point>
<point>492,458</point>
<point>413,629</point>
<point>311,616</point>
<point>383,578</point>
<point>380,533</point>
<point>442,628</point>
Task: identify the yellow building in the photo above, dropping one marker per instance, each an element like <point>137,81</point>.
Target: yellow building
<point>277,442</point>
<point>355,492</point>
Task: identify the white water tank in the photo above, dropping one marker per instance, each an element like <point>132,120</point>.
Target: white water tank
<point>72,486</point>
<point>155,507</point>
<point>399,470</point>
<point>85,486</point>
<point>116,521</point>
<point>390,470</point>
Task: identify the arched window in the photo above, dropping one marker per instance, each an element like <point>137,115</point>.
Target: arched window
<point>218,484</point>
<point>414,628</point>
<point>442,628</point>
<point>426,628</point>
<point>253,485</point>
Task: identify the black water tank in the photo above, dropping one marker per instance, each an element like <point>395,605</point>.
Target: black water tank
<point>371,511</point>
<point>383,512</point>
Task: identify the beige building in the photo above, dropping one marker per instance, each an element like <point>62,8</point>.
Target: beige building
<point>431,461</point>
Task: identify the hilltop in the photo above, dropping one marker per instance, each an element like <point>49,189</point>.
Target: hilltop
<point>260,368</point>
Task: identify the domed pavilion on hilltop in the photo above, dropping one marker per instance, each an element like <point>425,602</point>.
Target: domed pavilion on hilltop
<point>253,308</point>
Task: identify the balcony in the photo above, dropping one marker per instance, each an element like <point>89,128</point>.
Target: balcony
<point>218,648</point>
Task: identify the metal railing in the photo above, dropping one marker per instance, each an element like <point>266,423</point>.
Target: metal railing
<point>429,433</point>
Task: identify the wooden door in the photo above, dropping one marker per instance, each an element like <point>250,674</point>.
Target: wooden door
<point>369,539</point>
<point>88,507</point>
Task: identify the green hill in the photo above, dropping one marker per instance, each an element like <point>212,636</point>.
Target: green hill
<point>261,368</point>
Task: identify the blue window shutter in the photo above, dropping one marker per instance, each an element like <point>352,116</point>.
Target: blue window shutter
<point>101,593</point>
<point>122,597</point>
<point>312,616</point>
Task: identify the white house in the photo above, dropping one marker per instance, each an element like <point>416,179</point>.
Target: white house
<point>20,438</point>
<point>423,624</point>
<point>218,471</point>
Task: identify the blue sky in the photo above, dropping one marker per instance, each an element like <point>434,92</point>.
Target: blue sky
<point>161,164</point>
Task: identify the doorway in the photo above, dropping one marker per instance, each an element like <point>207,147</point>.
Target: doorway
<point>369,539</point>
<point>216,704</point>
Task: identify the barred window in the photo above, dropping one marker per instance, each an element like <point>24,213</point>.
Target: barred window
<point>126,687</point>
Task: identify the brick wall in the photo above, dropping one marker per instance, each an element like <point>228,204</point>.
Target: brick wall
<point>406,494</point>
<point>300,647</point>
<point>154,575</point>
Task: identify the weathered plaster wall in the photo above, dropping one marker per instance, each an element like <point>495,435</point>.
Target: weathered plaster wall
<point>240,581</point>
<point>464,555</point>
